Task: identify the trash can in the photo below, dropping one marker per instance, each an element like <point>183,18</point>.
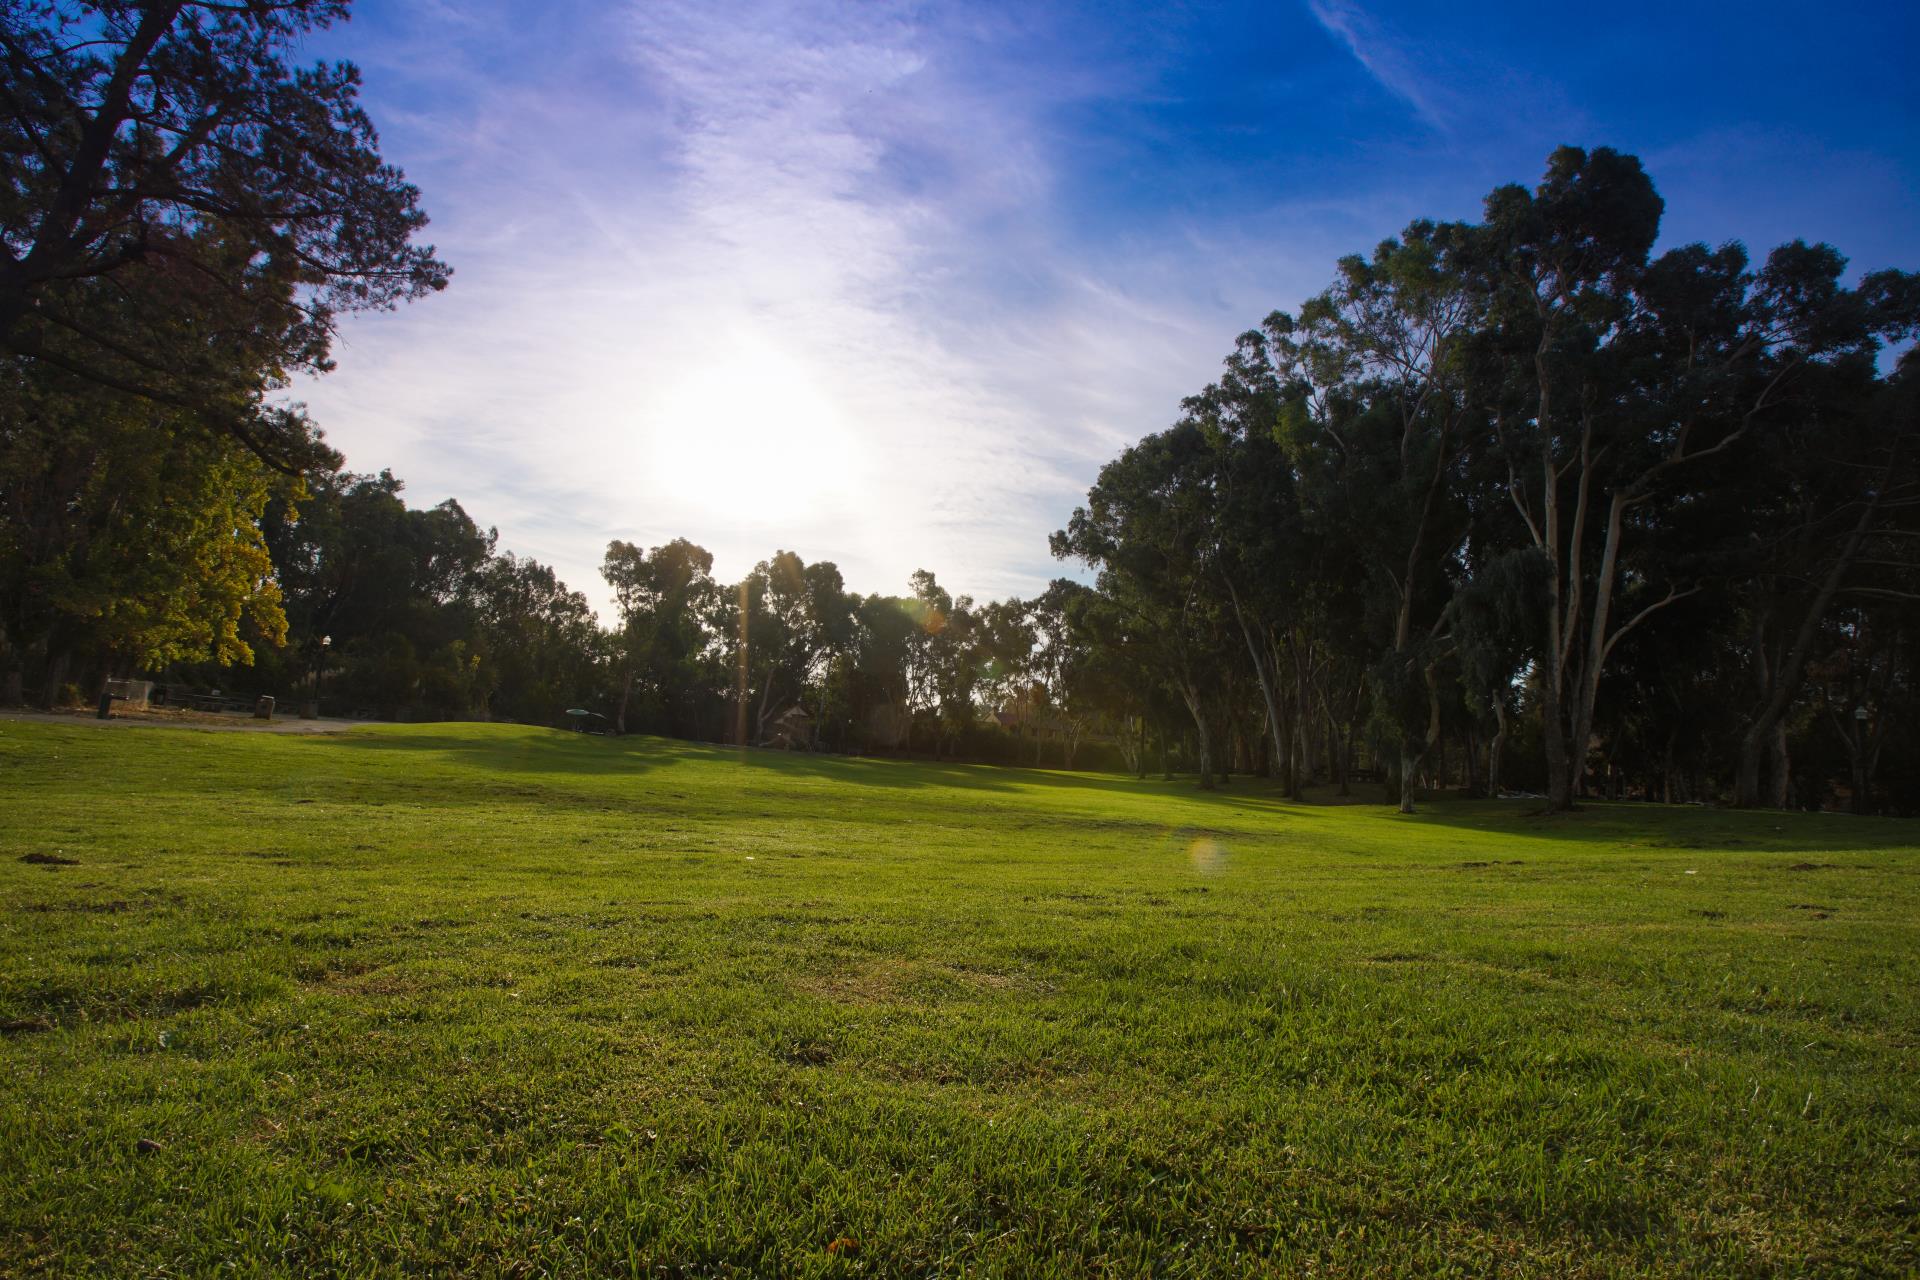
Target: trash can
<point>263,709</point>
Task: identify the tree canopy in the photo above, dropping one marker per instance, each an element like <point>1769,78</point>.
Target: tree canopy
<point>170,154</point>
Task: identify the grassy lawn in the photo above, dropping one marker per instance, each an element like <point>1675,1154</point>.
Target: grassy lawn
<point>491,1000</point>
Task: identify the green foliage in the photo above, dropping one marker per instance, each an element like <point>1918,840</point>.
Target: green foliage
<point>124,534</point>
<point>388,604</point>
<point>542,644</point>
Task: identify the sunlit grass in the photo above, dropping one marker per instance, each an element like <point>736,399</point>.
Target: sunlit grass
<point>489,1000</point>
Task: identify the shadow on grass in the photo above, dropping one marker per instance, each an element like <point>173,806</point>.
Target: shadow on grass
<point>590,757</point>
<point>1664,828</point>
<point>557,756</point>
<point>551,751</point>
<point>1241,796</point>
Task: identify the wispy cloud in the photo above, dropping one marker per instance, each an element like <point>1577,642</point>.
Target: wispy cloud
<point>1382,56</point>
<point>887,283</point>
<point>806,294</point>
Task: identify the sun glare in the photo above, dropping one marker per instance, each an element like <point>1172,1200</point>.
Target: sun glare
<point>752,429</point>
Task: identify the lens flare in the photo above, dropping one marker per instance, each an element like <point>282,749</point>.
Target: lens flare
<point>1208,856</point>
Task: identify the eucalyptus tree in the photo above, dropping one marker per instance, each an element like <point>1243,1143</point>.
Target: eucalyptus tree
<point>1560,263</point>
<point>667,603</point>
<point>1494,621</point>
<point>1093,662</point>
<point>1376,421</point>
<point>540,641</point>
<point>384,594</point>
<point>1616,379</point>
<point>1866,684</point>
<point>947,660</point>
<point>1083,671</point>
<point>1257,530</point>
<point>772,643</point>
<point>833,627</point>
<point>1009,654</point>
<point>1830,478</point>
<point>1150,529</point>
<point>1622,389</point>
<point>882,669</point>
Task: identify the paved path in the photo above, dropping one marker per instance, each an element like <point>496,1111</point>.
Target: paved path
<point>212,723</point>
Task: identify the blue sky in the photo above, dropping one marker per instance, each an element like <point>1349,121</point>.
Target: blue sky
<point>885,284</point>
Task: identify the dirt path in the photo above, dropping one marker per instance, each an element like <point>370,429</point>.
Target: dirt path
<point>184,720</point>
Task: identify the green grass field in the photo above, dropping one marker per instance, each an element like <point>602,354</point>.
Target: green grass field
<point>488,1000</point>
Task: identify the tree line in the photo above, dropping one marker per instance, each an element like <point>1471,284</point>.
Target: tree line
<point>1513,503</point>
<point>1522,480</point>
<point>329,592</point>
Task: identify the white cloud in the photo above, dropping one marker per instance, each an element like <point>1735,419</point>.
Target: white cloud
<point>758,306</point>
<point>1381,55</point>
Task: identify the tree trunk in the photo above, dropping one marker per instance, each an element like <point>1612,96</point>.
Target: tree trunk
<point>1300,750</point>
<point>619,712</point>
<point>1495,749</point>
<point>57,663</point>
<point>1559,771</point>
<point>1856,770</point>
<point>767,710</point>
<point>1746,777</point>
<point>1787,674</point>
<point>1191,697</point>
<point>1587,687</point>
<point>1260,664</point>
<point>1412,751</point>
<point>1781,764</point>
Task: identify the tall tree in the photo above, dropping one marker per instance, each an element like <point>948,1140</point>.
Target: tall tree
<point>175,138</point>
<point>947,664</point>
<point>1376,420</point>
<point>539,640</point>
<point>1834,466</point>
<point>1563,263</point>
<point>1150,528</point>
<point>667,602</point>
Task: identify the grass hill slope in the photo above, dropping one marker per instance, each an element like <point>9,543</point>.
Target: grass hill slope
<point>493,1000</point>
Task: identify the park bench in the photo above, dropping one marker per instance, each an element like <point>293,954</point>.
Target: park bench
<point>218,703</point>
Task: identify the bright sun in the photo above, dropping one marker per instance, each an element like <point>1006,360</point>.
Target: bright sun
<point>753,427</point>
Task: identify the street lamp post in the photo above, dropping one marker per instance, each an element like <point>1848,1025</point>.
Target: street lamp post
<point>312,709</point>
<point>1857,751</point>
